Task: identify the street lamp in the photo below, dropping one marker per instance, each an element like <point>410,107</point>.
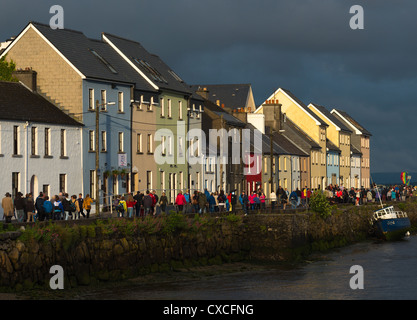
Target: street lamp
<point>97,153</point>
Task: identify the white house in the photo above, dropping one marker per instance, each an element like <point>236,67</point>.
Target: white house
<point>40,145</point>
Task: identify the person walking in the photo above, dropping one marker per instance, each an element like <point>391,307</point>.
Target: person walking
<point>147,203</point>
<point>40,214</point>
<point>294,199</point>
<point>87,205</point>
<point>222,201</point>
<point>30,208</point>
<point>273,199</point>
<point>19,205</point>
<point>76,207</point>
<point>130,204</point>
<point>58,213</point>
<point>244,201</point>
<point>202,202</point>
<point>180,201</point>
<point>8,208</point>
<point>47,208</point>
<point>80,201</point>
<point>163,201</point>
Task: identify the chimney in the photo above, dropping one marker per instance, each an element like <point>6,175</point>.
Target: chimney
<point>27,77</point>
<point>203,92</point>
<point>272,112</point>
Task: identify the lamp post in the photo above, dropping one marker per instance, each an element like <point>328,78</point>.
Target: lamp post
<point>97,197</point>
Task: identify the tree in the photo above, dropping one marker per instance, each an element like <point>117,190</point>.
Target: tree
<point>6,70</point>
<point>320,204</point>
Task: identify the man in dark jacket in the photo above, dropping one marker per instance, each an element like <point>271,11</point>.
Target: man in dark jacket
<point>244,200</point>
<point>39,207</point>
<point>202,202</point>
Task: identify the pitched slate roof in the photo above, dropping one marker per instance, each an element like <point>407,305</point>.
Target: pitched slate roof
<point>298,137</point>
<point>302,105</point>
<point>231,120</point>
<point>266,143</point>
<point>18,103</point>
<point>352,121</point>
<point>326,113</point>
<point>78,50</point>
<point>152,66</point>
<point>331,146</point>
<point>233,96</point>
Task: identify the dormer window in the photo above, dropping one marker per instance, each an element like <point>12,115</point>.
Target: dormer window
<point>108,65</point>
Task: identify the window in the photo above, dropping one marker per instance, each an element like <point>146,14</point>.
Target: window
<point>46,189</point>
<point>169,108</point>
<point>91,105</point>
<point>148,180</point>
<point>175,76</point>
<point>180,110</point>
<point>34,145</point>
<point>63,143</point>
<point>162,108</point>
<point>103,100</point>
<point>169,145</point>
<point>139,143</point>
<point>92,183</point>
<point>180,148</point>
<point>155,74</point>
<point>15,183</point>
<point>163,145</point>
<point>91,141</point>
<point>16,140</point>
<point>149,143</point>
<point>47,142</point>
<point>62,182</point>
<point>104,61</point>
<point>103,141</point>
<point>121,142</point>
<point>120,102</point>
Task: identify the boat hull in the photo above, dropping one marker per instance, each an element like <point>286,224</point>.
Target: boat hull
<point>392,229</point>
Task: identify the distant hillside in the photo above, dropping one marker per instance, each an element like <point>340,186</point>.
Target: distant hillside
<point>387,178</point>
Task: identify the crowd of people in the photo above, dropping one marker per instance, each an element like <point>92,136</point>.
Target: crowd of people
<point>58,207</point>
<point>359,196</point>
<point>62,207</point>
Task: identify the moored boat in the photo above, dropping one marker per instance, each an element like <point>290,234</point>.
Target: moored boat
<point>389,224</point>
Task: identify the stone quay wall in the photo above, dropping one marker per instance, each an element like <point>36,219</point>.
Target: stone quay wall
<point>102,257</point>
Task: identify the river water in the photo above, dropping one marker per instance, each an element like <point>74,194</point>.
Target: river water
<point>389,272</point>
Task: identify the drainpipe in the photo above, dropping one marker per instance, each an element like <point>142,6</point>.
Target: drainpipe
<point>26,126</point>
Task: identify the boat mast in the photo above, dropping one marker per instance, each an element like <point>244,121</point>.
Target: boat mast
<point>376,187</point>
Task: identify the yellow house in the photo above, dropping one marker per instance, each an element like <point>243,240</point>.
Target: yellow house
<point>309,123</point>
<point>339,134</point>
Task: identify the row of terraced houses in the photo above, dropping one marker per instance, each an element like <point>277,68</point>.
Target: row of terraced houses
<point>50,131</point>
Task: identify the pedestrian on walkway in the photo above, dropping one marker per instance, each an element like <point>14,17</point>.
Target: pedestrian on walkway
<point>87,205</point>
<point>163,202</point>
<point>130,204</point>
<point>80,201</point>
<point>19,205</point>
<point>180,201</point>
<point>30,208</point>
<point>8,208</point>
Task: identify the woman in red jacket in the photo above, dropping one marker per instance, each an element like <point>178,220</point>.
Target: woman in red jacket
<point>130,204</point>
<point>180,201</point>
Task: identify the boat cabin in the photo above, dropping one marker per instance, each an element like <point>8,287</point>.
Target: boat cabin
<point>388,213</point>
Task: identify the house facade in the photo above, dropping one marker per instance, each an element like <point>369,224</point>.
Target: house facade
<point>77,74</point>
<point>171,117</point>
<point>40,146</point>
<point>360,139</point>
<point>295,110</point>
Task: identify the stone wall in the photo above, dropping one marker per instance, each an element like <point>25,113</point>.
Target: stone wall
<point>99,257</point>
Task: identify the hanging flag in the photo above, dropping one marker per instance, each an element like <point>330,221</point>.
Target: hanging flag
<point>405,178</point>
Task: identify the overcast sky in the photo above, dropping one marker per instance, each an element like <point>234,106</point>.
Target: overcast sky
<point>305,46</point>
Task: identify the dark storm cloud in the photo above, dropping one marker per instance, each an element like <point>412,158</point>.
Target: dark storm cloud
<point>306,46</point>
